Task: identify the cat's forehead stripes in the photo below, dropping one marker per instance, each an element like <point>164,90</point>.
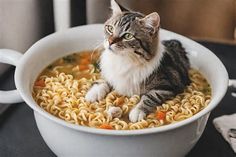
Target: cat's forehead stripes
<point>127,18</point>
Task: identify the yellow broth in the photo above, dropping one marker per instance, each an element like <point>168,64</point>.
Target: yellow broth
<point>80,61</point>
<point>61,88</point>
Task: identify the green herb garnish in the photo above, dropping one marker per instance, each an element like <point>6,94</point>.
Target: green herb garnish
<point>96,66</point>
<point>50,67</point>
<point>69,59</point>
<point>206,90</point>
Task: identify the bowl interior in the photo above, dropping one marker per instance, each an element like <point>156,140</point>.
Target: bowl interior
<point>48,49</point>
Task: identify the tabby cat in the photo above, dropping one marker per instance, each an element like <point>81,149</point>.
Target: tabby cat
<point>135,61</point>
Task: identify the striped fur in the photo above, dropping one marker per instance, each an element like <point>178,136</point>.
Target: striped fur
<point>169,79</point>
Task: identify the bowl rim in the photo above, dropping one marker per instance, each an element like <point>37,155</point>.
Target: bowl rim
<point>19,70</point>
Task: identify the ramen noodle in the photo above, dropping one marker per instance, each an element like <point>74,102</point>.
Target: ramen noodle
<point>61,88</point>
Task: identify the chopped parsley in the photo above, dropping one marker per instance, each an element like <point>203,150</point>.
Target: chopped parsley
<point>69,59</point>
<point>50,67</point>
<point>96,66</point>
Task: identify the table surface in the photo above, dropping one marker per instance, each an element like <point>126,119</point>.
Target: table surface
<point>19,136</point>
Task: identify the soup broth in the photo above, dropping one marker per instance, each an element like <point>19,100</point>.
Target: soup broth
<point>61,88</point>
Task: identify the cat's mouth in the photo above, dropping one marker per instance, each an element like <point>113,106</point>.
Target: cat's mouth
<point>112,49</point>
<point>109,48</point>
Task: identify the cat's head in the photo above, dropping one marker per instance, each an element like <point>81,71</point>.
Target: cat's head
<point>131,34</point>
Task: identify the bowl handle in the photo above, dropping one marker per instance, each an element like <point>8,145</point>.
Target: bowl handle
<point>10,57</point>
<point>232,84</point>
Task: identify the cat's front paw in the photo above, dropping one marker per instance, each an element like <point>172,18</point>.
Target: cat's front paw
<point>97,92</point>
<point>114,112</point>
<point>136,114</point>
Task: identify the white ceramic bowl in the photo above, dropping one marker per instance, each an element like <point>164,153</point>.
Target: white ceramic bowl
<point>69,140</point>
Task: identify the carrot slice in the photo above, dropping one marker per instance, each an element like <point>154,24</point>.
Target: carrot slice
<point>87,55</point>
<point>83,67</point>
<point>84,61</point>
<point>119,101</point>
<point>40,83</point>
<point>106,126</point>
<point>160,115</point>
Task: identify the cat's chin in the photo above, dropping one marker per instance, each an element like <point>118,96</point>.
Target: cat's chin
<point>113,51</point>
<point>110,50</point>
<point>137,60</point>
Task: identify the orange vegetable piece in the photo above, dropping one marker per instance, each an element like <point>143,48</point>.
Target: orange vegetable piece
<point>106,126</point>
<point>84,61</point>
<point>86,56</point>
<point>119,101</point>
<point>160,115</point>
<point>83,67</point>
<point>40,83</point>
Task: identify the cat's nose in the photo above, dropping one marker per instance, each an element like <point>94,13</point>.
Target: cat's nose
<point>113,40</point>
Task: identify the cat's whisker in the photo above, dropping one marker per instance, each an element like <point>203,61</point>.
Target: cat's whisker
<point>132,57</point>
<point>140,60</point>
<point>97,47</point>
<point>135,59</point>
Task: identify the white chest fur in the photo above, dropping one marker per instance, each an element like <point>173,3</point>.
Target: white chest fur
<point>124,75</point>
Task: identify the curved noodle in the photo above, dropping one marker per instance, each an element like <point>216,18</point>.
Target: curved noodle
<point>63,96</point>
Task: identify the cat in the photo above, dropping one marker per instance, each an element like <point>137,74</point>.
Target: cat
<point>135,61</point>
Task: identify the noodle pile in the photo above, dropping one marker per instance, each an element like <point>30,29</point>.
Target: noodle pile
<point>63,95</point>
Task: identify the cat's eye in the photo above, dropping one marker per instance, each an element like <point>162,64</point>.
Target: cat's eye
<point>109,29</point>
<point>128,36</point>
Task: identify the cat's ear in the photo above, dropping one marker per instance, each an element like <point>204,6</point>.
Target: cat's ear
<point>117,8</point>
<point>151,21</point>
